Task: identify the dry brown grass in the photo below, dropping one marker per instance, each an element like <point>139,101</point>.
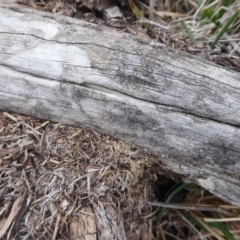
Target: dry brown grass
<point>163,19</point>
<point>51,173</point>
<point>58,170</point>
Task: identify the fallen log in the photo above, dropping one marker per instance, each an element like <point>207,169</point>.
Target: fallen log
<point>178,106</point>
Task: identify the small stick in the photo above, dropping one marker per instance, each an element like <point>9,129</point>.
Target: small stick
<point>191,207</point>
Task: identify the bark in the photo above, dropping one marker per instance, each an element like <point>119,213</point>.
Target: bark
<point>178,106</point>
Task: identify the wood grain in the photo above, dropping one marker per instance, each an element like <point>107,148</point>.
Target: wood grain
<point>178,106</point>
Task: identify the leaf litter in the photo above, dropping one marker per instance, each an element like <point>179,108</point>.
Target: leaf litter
<point>56,171</point>
<point>57,178</point>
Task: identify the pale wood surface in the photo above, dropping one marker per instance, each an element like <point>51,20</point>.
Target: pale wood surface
<point>100,223</point>
<point>183,108</point>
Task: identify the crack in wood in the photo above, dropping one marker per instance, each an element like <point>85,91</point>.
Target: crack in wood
<point>132,89</point>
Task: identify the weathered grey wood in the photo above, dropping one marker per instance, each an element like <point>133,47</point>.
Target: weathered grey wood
<point>73,72</point>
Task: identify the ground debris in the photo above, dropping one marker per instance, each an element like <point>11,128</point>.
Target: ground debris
<point>63,173</point>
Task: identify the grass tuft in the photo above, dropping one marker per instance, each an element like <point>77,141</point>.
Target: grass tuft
<point>225,28</point>
<point>188,31</point>
<point>198,206</point>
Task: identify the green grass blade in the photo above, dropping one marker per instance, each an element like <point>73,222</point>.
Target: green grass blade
<point>193,189</point>
<point>171,195</point>
<point>137,12</point>
<point>225,3</point>
<point>188,31</point>
<point>225,28</point>
<point>192,220</point>
<point>223,227</point>
<point>209,13</point>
